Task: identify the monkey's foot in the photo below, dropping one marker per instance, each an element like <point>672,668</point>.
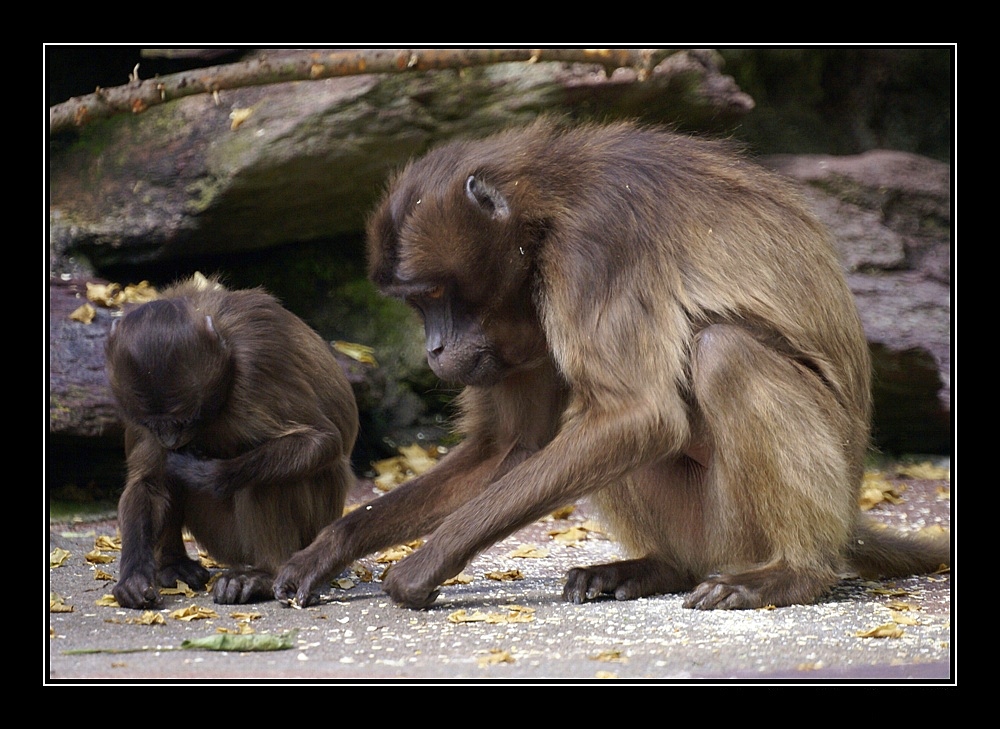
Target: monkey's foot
<point>776,585</point>
<point>184,569</point>
<point>626,580</point>
<point>136,591</point>
<point>235,587</point>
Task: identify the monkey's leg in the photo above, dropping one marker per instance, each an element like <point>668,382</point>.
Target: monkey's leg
<point>779,499</point>
<point>405,513</point>
<point>656,513</point>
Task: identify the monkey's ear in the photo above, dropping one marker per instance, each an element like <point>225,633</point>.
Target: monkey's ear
<point>212,331</point>
<point>487,197</point>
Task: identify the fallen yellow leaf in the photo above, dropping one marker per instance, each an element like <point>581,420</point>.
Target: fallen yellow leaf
<point>889,630</point>
<point>148,617</point>
<point>96,557</point>
<point>179,588</point>
<point>58,557</point>
<point>529,551</point>
<point>505,576</point>
<point>610,655</point>
<point>84,314</point>
<point>495,656</point>
<point>108,544</point>
<point>193,612</point>
<point>925,470</point>
<point>57,605</point>
<point>360,352</point>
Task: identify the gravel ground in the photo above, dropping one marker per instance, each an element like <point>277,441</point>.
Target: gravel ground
<point>513,631</point>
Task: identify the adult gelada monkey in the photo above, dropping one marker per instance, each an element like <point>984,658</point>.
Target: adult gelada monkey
<point>645,319</point>
<point>239,425</point>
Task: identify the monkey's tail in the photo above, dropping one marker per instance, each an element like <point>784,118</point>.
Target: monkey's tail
<point>880,551</point>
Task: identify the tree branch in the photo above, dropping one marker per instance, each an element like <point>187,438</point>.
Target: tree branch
<point>140,94</point>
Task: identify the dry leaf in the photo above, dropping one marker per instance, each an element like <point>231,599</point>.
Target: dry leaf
<point>413,460</point>
<point>395,554</point>
<point>84,314</point>
<point>180,588</point>
<point>139,293</point>
<point>529,551</point>
<point>463,616</point>
<point>926,470</point>
<point>238,116</point>
<point>56,604</point>
<point>245,617</point>
<point>240,629</point>
<point>889,630</point>
<point>514,614</point>
<point>107,601</point>
<point>360,352</point>
<point>106,295</point>
<point>564,512</point>
<point>903,619</point>
<point>875,489</point>
<point>148,617</point>
<point>344,583</point>
<point>569,535</point>
<point>361,572</point>
<point>505,576</point>
<point>58,557</point>
<point>102,575</point>
<point>460,579</point>
<point>901,606</point>
<point>605,674</point>
<point>107,543</point>
<point>891,591</point>
<point>495,656</point>
<point>610,656</point>
<point>96,557</point>
<point>193,612</point>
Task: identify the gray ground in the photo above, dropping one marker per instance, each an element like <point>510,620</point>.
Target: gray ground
<point>359,635</point>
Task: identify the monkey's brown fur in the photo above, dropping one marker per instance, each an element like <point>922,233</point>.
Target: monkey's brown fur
<point>640,317</point>
<point>239,426</point>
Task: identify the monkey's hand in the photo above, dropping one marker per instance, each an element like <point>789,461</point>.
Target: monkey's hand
<point>186,570</point>
<point>413,582</point>
<point>196,474</point>
<point>137,590</point>
<point>306,572</point>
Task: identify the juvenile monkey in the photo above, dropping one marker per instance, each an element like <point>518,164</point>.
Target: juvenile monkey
<point>239,425</point>
<point>639,317</point>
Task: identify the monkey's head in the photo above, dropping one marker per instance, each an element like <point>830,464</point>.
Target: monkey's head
<point>455,239</point>
<point>169,370</point>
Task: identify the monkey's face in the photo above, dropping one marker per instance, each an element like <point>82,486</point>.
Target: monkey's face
<point>169,370</point>
<point>454,247</point>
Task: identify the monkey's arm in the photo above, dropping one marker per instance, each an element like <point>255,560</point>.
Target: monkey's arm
<point>591,449</point>
<point>292,456</point>
<point>405,513</point>
<point>143,511</point>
